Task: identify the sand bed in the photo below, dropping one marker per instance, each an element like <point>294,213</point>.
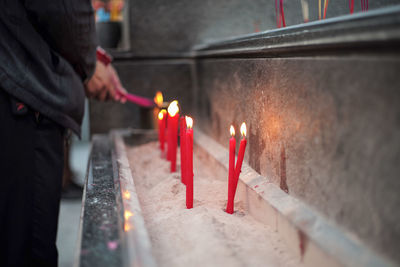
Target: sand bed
<point>204,235</point>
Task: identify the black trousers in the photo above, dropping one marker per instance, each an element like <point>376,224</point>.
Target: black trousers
<point>31,164</point>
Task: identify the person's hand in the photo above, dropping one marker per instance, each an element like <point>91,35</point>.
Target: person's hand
<point>101,86</point>
<point>119,96</point>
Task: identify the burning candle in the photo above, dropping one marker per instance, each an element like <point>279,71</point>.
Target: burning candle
<point>173,117</point>
<point>161,128</point>
<point>159,99</point>
<point>189,163</point>
<point>182,135</point>
<point>242,148</point>
<point>231,175</point>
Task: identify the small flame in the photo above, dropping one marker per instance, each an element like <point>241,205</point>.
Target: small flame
<point>158,99</point>
<point>160,115</point>
<point>243,129</point>
<point>127,195</point>
<point>189,122</point>
<point>173,108</point>
<point>232,130</point>
<point>128,214</point>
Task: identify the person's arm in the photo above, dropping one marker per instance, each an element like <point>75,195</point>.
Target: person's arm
<point>68,26</point>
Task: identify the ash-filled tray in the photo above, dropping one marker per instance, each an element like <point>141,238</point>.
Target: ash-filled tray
<point>205,235</point>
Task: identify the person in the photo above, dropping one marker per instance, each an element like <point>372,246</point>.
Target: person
<point>47,65</point>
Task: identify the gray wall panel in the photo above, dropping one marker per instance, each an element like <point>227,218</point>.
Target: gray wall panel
<point>327,130</point>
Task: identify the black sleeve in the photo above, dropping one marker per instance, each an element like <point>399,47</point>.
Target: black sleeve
<point>69,28</point>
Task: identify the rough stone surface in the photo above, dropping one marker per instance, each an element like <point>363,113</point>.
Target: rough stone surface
<point>172,77</point>
<point>164,27</point>
<point>325,129</point>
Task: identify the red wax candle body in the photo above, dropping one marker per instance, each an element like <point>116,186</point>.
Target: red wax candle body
<point>189,168</point>
<point>168,136</point>
<point>161,131</point>
<point>231,176</point>
<point>173,133</point>
<point>238,169</point>
<point>182,135</point>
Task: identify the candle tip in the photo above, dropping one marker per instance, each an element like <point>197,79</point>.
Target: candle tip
<point>173,108</point>
<point>189,122</point>
<point>160,115</point>
<point>232,130</point>
<point>243,129</point>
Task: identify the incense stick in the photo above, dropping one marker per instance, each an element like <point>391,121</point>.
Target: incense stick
<point>351,5</point>
<point>282,13</point>
<point>326,2</point>
<point>304,7</point>
<point>278,24</point>
<point>319,9</point>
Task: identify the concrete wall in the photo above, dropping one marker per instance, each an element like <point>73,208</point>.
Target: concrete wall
<point>165,27</point>
<point>327,130</point>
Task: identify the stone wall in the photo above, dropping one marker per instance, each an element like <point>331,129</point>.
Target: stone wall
<point>323,115</point>
<point>165,27</point>
<point>320,129</point>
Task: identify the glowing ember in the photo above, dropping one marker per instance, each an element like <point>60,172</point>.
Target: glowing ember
<point>232,130</point>
<point>189,122</point>
<point>243,129</point>
<point>127,227</point>
<point>173,108</point>
<point>127,195</point>
<point>158,99</point>
<point>128,214</point>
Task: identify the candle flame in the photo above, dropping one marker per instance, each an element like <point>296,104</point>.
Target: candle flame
<point>243,129</point>
<point>189,122</point>
<point>232,130</point>
<point>158,99</point>
<point>160,115</point>
<point>173,108</point>
<point>128,214</point>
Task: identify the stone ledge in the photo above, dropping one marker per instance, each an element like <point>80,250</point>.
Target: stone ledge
<point>138,250</point>
<point>376,30</point>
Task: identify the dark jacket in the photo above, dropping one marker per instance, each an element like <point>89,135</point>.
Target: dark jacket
<point>47,50</point>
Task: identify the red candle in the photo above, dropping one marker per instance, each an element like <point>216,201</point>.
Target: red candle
<point>231,175</point>
<point>182,135</point>
<point>168,137</point>
<point>189,163</point>
<point>239,161</point>
<point>173,118</point>
<point>161,128</point>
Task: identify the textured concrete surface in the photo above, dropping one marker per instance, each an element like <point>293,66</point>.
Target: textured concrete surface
<point>310,236</point>
<point>68,224</point>
<point>326,130</point>
<point>172,77</point>
<point>163,27</point>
